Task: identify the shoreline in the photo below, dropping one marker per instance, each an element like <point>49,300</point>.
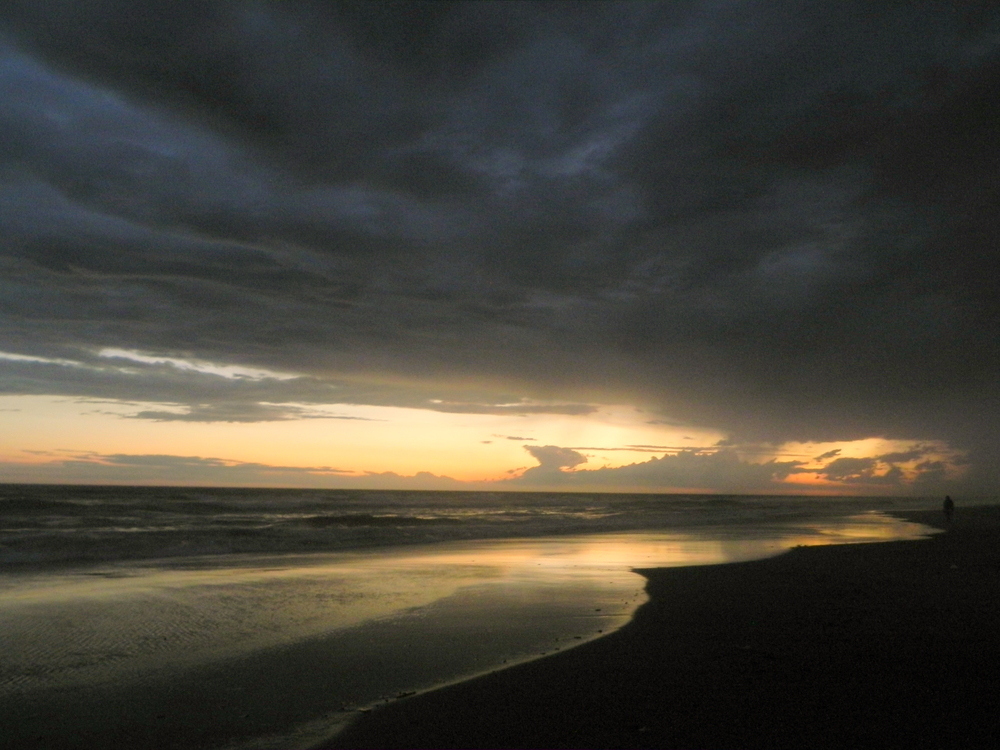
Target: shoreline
<point>134,673</point>
<point>888,644</point>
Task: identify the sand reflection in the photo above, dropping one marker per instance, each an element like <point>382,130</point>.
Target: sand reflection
<point>365,625</point>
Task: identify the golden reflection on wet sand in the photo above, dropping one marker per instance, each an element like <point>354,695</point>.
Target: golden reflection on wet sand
<point>100,623</point>
<point>301,641</point>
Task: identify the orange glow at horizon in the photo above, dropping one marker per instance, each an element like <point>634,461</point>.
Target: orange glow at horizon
<point>356,441</point>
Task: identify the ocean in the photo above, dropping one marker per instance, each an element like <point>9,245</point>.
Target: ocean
<point>267,618</point>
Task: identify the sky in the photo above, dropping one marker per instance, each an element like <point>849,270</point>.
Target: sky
<point>724,246</point>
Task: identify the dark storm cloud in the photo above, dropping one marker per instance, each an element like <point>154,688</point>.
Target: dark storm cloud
<point>772,218</point>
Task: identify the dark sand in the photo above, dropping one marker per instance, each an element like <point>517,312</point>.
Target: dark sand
<point>872,645</point>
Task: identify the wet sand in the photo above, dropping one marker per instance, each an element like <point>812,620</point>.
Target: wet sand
<point>873,645</point>
<point>259,651</point>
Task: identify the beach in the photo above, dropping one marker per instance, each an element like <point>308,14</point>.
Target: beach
<point>866,645</point>
<point>211,619</point>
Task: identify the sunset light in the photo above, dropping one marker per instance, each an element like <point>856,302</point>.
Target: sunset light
<point>376,372</point>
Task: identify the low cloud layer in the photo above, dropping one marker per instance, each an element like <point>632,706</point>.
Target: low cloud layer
<point>772,219</point>
<point>76,467</point>
<point>728,470</point>
<point>722,471</point>
<point>919,470</point>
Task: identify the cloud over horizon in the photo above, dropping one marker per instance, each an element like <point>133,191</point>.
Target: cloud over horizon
<point>772,219</point>
<point>76,467</point>
<point>921,469</point>
<point>728,470</point>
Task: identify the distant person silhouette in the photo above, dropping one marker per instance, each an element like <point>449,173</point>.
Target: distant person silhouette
<point>949,508</point>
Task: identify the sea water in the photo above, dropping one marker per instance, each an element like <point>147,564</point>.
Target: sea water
<point>239,618</point>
